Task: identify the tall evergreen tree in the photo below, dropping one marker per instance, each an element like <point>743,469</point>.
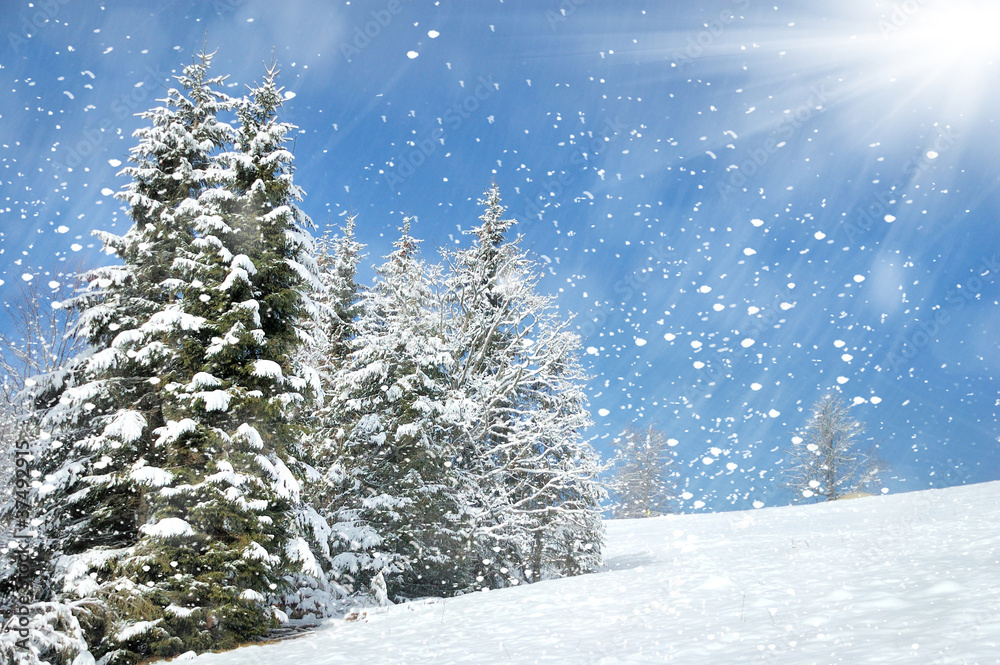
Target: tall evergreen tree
<point>98,413</point>
<point>342,541</point>
<point>172,441</point>
<point>333,316</point>
<point>393,392</point>
<point>529,479</point>
<point>220,538</point>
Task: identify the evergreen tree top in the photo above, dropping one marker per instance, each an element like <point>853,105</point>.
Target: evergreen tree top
<point>491,233</point>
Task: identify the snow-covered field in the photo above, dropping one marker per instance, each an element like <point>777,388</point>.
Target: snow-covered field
<point>911,578</point>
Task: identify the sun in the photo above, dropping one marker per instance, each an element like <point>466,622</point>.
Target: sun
<point>940,34</point>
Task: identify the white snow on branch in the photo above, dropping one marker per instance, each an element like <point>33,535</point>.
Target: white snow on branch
<point>250,434</point>
<point>256,552</point>
<point>151,475</point>
<point>298,550</point>
<point>167,527</point>
<point>243,262</point>
<point>135,629</point>
<point>241,267</point>
<point>225,474</point>
<point>127,426</point>
<point>267,369</point>
<point>283,482</point>
<point>126,337</point>
<point>277,213</point>
<point>104,360</point>
<point>173,430</point>
<point>179,611</point>
<point>253,307</point>
<point>215,400</point>
<point>172,319</point>
<point>204,380</point>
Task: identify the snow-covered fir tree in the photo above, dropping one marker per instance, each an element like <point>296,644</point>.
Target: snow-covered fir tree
<point>169,493</point>
<point>99,412</point>
<point>41,341</point>
<point>528,479</point>
<point>343,542</point>
<point>398,476</point>
<point>331,327</point>
<point>642,478</point>
<point>219,542</point>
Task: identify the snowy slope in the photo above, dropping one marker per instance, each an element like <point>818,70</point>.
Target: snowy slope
<point>909,578</point>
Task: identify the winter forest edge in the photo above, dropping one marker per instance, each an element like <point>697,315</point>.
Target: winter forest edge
<point>246,436</point>
<point>235,434</point>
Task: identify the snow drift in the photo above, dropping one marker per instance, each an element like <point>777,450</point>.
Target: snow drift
<point>909,578</point>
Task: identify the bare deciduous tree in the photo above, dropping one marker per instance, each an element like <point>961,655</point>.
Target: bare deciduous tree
<point>643,474</point>
<point>39,340</point>
<point>827,461</point>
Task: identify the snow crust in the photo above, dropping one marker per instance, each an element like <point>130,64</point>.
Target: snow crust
<point>907,578</point>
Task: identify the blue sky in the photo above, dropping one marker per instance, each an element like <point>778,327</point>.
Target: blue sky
<point>746,205</point>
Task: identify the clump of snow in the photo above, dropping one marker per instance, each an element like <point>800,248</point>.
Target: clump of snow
<point>215,400</point>
<point>127,426</point>
<point>204,380</point>
<point>249,433</point>
<point>267,369</point>
<point>135,629</point>
<point>167,528</point>
<point>152,476</point>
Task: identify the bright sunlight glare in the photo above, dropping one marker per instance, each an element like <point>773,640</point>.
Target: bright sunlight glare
<point>945,33</point>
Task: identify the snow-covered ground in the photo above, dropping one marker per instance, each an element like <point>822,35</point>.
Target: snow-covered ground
<point>911,578</point>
